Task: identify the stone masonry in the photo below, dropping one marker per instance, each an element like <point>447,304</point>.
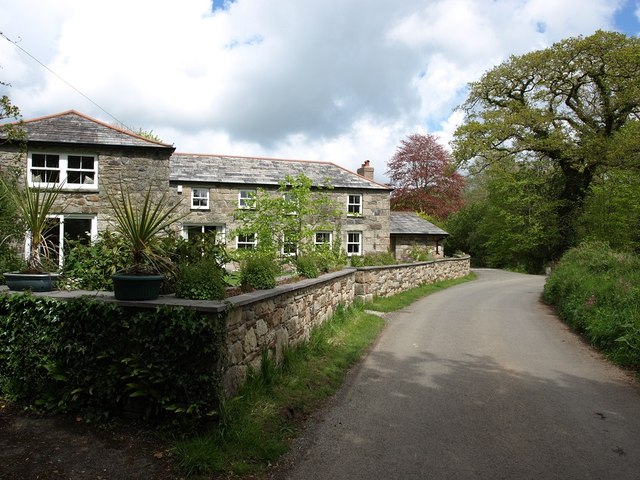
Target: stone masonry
<point>389,280</point>
<point>272,320</point>
<point>373,224</point>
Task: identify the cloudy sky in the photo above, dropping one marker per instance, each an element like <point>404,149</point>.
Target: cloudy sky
<point>335,80</point>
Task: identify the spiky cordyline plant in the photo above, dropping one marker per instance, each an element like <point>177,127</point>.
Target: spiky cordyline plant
<point>35,208</point>
<point>140,224</point>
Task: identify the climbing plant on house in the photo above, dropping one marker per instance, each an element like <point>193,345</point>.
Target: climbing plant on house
<point>285,222</point>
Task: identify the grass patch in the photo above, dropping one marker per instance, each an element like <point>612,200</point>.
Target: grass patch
<point>255,428</point>
<point>404,299</point>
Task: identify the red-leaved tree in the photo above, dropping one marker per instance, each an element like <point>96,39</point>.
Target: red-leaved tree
<point>425,177</point>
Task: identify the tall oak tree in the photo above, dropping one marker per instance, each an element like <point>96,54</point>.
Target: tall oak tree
<point>575,104</point>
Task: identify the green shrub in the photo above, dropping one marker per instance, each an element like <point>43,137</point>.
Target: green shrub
<point>203,280</point>
<point>100,360</point>
<point>206,245</point>
<point>9,262</point>
<point>374,259</point>
<point>308,266</point>
<point>596,290</point>
<point>329,258</point>
<point>420,253</point>
<point>356,261</point>
<point>201,274</point>
<point>259,270</point>
<point>90,267</point>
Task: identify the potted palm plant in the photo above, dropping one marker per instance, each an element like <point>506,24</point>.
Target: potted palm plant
<point>34,208</point>
<point>140,222</point>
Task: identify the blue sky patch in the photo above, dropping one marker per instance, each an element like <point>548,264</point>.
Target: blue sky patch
<point>221,4</point>
<point>626,20</point>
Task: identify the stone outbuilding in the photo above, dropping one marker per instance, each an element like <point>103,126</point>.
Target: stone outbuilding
<point>410,231</point>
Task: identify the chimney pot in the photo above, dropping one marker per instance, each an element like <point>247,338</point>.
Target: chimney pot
<point>366,170</point>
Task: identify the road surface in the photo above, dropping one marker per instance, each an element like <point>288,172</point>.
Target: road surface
<point>480,381</point>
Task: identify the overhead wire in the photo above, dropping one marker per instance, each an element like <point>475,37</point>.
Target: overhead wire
<point>3,35</point>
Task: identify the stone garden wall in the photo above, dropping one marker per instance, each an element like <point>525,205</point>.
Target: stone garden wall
<point>389,280</point>
<point>271,320</point>
<point>274,319</point>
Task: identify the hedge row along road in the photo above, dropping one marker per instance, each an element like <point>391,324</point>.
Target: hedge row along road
<point>477,381</point>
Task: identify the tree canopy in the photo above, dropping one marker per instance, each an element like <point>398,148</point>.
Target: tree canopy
<point>285,222</point>
<point>425,178</point>
<point>573,107</point>
<point>13,130</point>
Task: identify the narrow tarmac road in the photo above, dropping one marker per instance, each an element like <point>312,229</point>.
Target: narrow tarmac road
<point>480,381</point>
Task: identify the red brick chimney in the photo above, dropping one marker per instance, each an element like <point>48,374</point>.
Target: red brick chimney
<point>366,170</point>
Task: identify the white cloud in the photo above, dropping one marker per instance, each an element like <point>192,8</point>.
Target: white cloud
<point>338,80</point>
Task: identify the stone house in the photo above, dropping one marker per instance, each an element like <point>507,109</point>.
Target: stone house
<point>90,158</point>
<point>214,186</point>
<point>87,157</point>
<point>409,231</point>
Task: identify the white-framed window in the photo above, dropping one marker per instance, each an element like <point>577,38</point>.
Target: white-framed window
<point>290,204</point>
<point>192,232</point>
<point>200,198</point>
<point>74,171</point>
<point>62,229</point>
<point>354,243</point>
<point>354,206</point>
<point>246,242</point>
<point>247,199</point>
<point>323,238</point>
<point>289,248</point>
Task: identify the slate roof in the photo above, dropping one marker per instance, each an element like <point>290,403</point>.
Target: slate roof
<point>220,169</point>
<point>74,128</point>
<point>409,223</point>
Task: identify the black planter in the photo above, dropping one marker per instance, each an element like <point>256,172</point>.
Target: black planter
<point>136,287</point>
<point>36,282</point>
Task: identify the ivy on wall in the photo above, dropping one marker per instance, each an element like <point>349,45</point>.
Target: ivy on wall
<point>101,360</point>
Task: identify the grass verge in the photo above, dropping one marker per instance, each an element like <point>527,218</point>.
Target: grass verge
<point>256,427</point>
<point>596,290</point>
<point>402,300</point>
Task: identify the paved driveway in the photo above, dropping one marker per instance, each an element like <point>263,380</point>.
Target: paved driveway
<point>480,381</point>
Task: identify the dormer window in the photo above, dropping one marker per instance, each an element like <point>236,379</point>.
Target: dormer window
<point>55,169</point>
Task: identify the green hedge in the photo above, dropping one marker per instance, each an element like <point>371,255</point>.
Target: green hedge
<point>101,360</point>
<point>259,270</point>
<point>596,290</point>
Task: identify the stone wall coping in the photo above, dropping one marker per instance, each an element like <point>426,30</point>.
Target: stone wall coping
<point>413,264</point>
<point>259,295</point>
<point>213,306</point>
<point>206,306</point>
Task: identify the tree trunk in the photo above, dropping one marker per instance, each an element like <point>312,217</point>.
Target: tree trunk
<point>574,191</point>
